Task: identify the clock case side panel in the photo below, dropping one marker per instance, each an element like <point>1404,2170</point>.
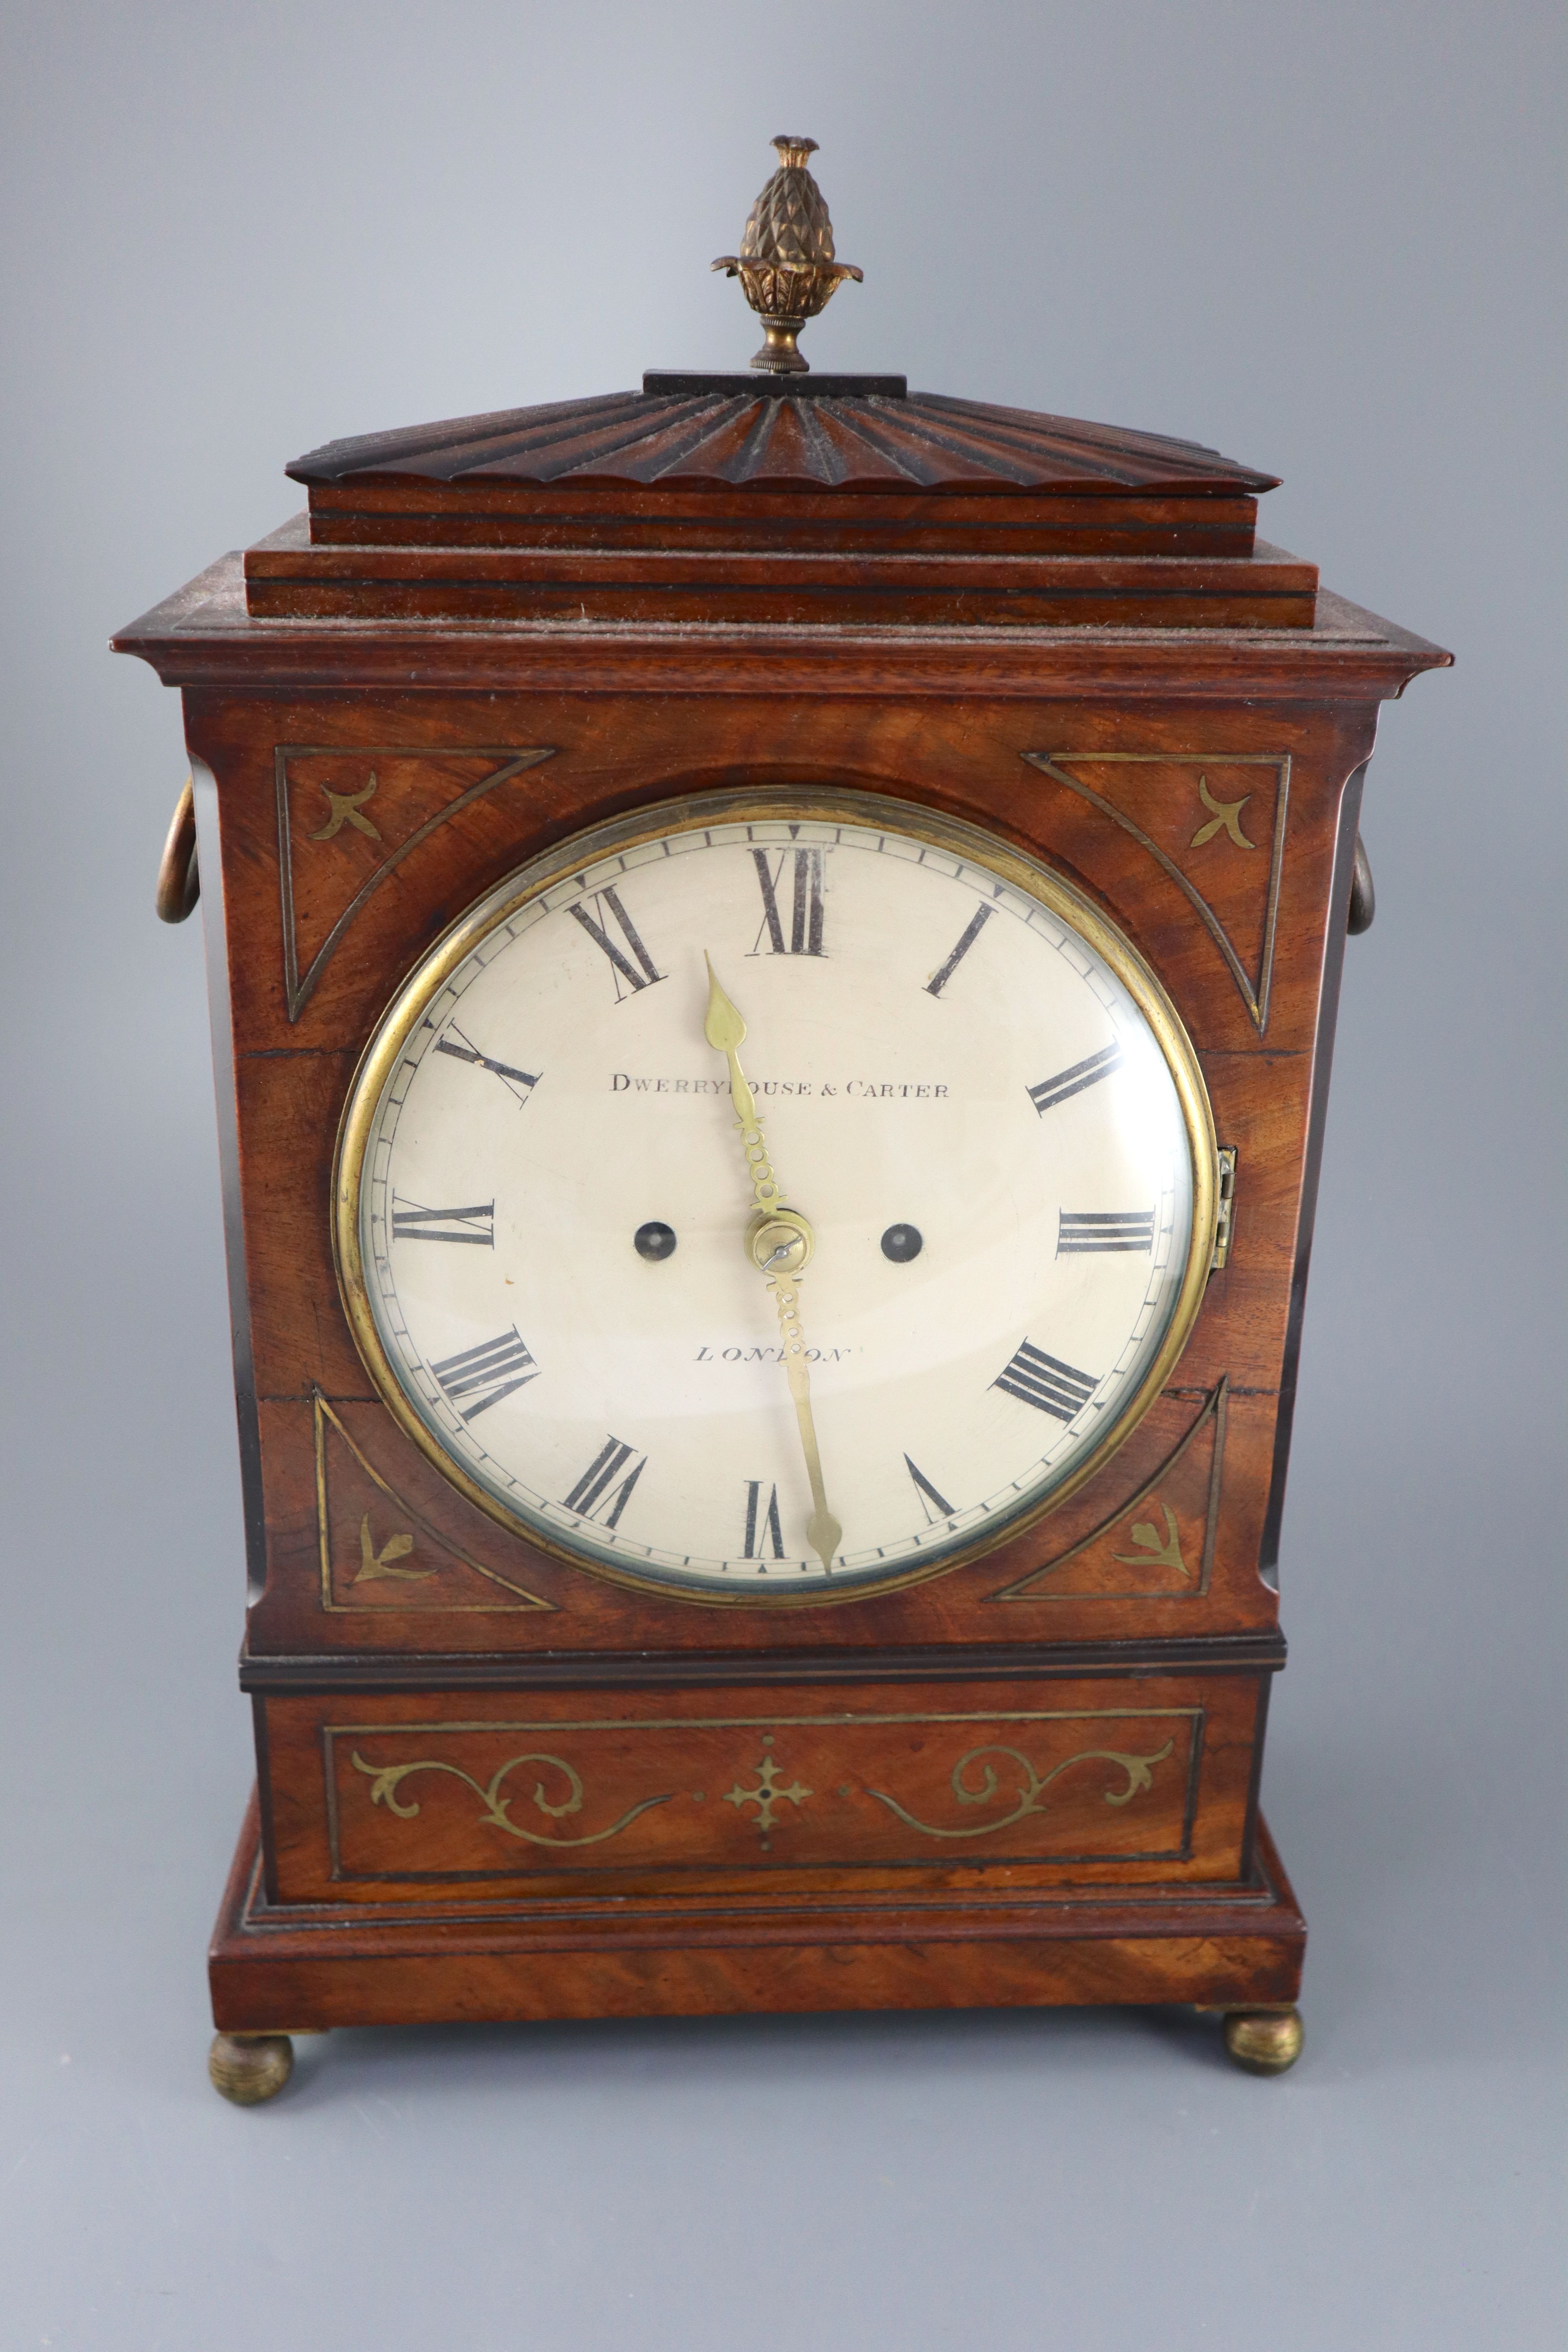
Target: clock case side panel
<point>1337,933</point>
<point>209,819</point>
<point>612,754</point>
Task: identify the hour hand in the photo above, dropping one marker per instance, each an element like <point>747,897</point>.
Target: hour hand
<point>726,1032</point>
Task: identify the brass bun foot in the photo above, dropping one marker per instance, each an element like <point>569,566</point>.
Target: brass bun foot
<point>250,2067</point>
<point>1263,2040</point>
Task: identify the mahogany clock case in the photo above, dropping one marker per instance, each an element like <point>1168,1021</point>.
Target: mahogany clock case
<point>491,1784</point>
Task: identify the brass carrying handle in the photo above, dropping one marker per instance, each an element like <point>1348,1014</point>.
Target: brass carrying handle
<point>1363,897</point>
<point>179,882</point>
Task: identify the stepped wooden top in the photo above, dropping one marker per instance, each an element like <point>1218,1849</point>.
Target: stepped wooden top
<point>729,431</point>
<point>721,471</point>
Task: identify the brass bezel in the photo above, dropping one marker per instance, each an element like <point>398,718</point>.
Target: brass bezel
<point>829,804</point>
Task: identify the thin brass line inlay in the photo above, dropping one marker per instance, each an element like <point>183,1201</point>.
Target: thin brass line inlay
<point>1254,995</point>
<point>297,988</point>
<point>374,1564</point>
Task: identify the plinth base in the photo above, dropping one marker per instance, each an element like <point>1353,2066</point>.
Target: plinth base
<point>280,1969</point>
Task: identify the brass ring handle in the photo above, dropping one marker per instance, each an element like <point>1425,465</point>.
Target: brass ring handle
<point>179,882</point>
<point>1363,897</point>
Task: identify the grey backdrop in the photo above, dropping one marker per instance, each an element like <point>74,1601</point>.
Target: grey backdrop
<point>1322,238</point>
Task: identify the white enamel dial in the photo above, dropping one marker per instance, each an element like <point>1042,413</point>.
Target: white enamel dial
<point>969,1085</point>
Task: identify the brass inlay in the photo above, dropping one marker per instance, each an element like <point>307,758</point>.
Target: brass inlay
<point>386,1779</point>
<point>373,1565</point>
<point>785,264</point>
<point>1152,1552</point>
<point>298,988</point>
<point>878,813</point>
<point>1254,993</point>
<point>1225,816</point>
<point>1213,1409</point>
<point>1139,1771</point>
<point>767,1794</point>
<point>997,1719</point>
<point>348,808</point>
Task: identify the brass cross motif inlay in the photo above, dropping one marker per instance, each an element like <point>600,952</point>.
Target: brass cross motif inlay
<point>347,808</point>
<point>1225,816</point>
<point>767,1794</point>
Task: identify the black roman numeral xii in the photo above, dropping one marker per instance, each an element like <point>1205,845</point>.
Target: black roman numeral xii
<point>806,913</point>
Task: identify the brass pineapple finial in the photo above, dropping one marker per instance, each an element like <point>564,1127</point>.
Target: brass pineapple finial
<point>785,264</point>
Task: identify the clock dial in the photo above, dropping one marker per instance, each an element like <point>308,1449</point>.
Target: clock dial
<point>969,1088</point>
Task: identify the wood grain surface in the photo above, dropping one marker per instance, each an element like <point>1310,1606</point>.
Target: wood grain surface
<point>493,1784</point>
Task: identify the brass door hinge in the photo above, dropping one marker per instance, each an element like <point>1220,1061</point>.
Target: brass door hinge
<point>1227,1203</point>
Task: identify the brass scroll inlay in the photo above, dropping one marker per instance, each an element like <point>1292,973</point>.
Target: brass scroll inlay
<point>1139,1769</point>
<point>386,1779</point>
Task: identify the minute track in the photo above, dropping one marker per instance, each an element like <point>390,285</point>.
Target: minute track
<point>653,1430</point>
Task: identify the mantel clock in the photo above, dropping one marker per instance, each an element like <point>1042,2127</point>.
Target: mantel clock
<point>773,944</point>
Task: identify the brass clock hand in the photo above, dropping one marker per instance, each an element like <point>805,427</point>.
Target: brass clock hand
<point>776,1238</point>
<point>822,1531</point>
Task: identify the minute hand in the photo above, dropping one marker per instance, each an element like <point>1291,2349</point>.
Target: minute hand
<point>822,1531</point>
<point>791,1240</point>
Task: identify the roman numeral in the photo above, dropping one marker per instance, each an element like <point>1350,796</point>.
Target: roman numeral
<point>1104,1229</point>
<point>935,1507</point>
<point>486,1373</point>
<point>805,906</point>
<point>1046,1384</point>
<point>1051,1091</point>
<point>596,1487</point>
<point>636,976</point>
<point>410,1223</point>
<point>976,924</point>
<point>763,1521</point>
<point>519,1083</point>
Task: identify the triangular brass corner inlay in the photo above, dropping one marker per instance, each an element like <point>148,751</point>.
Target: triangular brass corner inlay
<point>1216,824</point>
<point>361,808</point>
<point>1163,1544</point>
<point>369,1536</point>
